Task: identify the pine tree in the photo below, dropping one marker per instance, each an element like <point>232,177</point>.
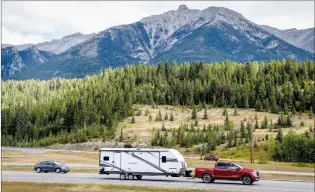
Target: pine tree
<point>196,123</point>
<point>159,116</point>
<point>163,127</point>
<point>264,123</point>
<point>133,120</point>
<point>166,116</point>
<point>293,111</point>
<point>225,111</point>
<point>279,136</point>
<point>172,117</point>
<point>242,130</point>
<point>235,142</point>
<point>235,110</point>
<point>249,131</point>
<point>121,138</point>
<point>256,125</point>
<point>139,113</point>
<point>289,121</point>
<point>227,123</point>
<point>205,115</point>
<point>147,112</point>
<point>194,113</point>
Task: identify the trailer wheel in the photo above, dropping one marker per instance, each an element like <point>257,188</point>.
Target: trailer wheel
<point>131,176</point>
<point>206,178</point>
<point>139,177</point>
<point>122,176</point>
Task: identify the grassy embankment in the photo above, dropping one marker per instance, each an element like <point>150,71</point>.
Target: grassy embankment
<point>58,187</point>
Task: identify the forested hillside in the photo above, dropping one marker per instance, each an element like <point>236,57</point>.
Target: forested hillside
<point>40,113</point>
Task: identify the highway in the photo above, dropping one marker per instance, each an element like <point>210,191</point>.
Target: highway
<point>158,181</point>
<point>96,166</point>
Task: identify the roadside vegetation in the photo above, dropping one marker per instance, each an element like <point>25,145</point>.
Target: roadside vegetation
<point>42,113</point>
<point>60,187</point>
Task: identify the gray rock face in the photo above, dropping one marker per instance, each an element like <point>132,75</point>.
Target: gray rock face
<point>303,38</point>
<point>57,45</point>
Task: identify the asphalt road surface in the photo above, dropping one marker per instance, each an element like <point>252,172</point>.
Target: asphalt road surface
<point>158,181</point>
<point>96,166</point>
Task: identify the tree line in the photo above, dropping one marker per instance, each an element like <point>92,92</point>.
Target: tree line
<point>36,112</point>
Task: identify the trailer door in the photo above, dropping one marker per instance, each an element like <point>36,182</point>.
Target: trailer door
<point>117,159</point>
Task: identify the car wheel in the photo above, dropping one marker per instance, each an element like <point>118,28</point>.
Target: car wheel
<point>122,176</point>
<point>206,178</point>
<point>131,176</point>
<point>139,177</point>
<point>58,170</point>
<point>247,180</point>
<point>65,172</point>
<point>46,171</point>
<point>38,170</point>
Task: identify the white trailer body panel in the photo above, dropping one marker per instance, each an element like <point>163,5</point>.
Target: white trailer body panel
<point>141,161</point>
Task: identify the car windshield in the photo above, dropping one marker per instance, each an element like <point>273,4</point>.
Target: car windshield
<point>57,163</point>
<point>239,166</point>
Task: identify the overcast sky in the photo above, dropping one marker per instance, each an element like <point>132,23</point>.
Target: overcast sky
<point>32,22</point>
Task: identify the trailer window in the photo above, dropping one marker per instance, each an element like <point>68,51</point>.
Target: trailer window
<point>163,159</point>
<point>106,158</point>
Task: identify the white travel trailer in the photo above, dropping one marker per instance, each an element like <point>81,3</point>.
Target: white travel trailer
<point>132,162</point>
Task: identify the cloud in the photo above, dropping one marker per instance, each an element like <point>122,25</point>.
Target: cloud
<point>17,37</point>
<point>37,20</point>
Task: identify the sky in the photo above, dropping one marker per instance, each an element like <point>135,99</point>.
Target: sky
<point>38,21</point>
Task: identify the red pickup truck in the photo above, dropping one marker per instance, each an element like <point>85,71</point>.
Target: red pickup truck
<point>227,171</point>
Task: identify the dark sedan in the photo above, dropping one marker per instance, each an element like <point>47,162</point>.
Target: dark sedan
<point>51,166</point>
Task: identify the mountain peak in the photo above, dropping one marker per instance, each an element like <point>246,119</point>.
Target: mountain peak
<point>73,35</point>
<point>182,7</point>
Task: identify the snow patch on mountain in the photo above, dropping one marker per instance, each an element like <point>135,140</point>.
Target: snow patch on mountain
<point>272,44</point>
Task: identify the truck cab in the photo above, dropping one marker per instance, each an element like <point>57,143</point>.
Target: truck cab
<point>227,171</point>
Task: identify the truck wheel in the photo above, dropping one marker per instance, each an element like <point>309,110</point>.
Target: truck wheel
<point>38,170</point>
<point>131,176</point>
<point>122,176</point>
<point>139,177</point>
<point>206,178</point>
<point>247,180</point>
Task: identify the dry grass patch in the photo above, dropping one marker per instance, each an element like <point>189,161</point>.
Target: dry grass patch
<point>65,157</point>
<point>28,168</point>
<point>57,187</point>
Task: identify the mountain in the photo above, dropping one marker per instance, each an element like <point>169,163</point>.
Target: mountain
<point>303,38</point>
<point>57,45</point>
<point>211,35</point>
<point>14,61</point>
<point>11,62</point>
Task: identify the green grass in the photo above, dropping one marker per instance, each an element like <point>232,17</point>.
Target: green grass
<point>58,187</point>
